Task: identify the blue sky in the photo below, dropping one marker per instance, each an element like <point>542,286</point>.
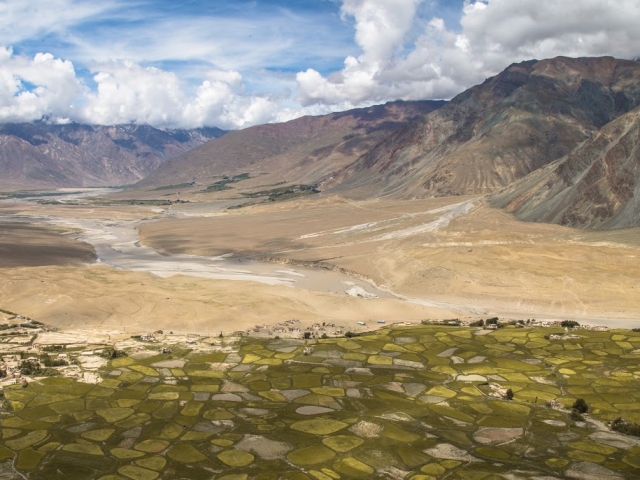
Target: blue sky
<point>237,63</point>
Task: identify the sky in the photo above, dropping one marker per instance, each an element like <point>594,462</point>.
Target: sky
<point>236,63</point>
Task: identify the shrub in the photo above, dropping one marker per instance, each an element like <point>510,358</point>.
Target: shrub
<point>479,323</point>
<point>570,324</point>
<point>509,394</point>
<point>29,368</point>
<point>350,334</point>
<point>575,415</point>
<point>580,405</point>
<point>55,362</point>
<point>623,426</point>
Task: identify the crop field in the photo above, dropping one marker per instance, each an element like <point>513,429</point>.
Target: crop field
<point>420,403</point>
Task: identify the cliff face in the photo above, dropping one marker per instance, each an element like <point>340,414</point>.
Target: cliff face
<point>301,150</point>
<point>38,155</point>
<point>596,186</point>
<point>526,117</point>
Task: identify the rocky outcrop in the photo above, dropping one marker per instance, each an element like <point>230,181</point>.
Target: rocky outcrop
<point>595,186</point>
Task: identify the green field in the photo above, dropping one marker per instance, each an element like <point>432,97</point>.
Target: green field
<point>389,404</point>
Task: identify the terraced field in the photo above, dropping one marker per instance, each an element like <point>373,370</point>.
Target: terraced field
<point>418,403</point>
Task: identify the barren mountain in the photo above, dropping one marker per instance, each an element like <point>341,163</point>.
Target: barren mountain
<point>39,155</point>
<point>301,150</point>
<point>528,116</point>
<point>596,186</point>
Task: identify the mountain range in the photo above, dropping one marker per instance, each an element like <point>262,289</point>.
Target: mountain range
<point>553,140</point>
<point>43,155</point>
<point>493,134</point>
<point>303,150</point>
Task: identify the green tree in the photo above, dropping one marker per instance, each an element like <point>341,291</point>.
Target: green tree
<point>580,405</point>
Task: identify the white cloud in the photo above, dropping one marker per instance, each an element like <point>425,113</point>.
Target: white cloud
<point>381,26</point>
<point>442,62</point>
<point>126,92</point>
<point>20,19</point>
<point>225,65</point>
<point>31,88</point>
<point>219,101</point>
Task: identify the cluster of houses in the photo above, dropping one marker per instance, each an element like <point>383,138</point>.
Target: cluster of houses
<point>10,365</point>
<point>325,328</point>
<point>292,328</point>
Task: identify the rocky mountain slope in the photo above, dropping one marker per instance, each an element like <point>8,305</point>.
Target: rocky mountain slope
<point>528,116</point>
<point>301,150</point>
<point>39,155</point>
<point>596,186</point>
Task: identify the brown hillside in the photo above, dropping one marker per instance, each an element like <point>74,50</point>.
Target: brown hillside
<point>302,150</point>
<point>596,186</point>
<point>495,133</point>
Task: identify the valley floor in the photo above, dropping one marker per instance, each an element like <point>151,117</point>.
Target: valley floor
<point>424,259</point>
<point>451,251</point>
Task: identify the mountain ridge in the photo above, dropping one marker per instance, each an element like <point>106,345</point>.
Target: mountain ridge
<point>497,132</point>
<point>301,150</point>
<point>596,186</point>
<point>42,155</point>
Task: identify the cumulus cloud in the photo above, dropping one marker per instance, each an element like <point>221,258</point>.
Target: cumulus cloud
<point>31,88</point>
<point>228,81</point>
<point>219,101</point>
<point>442,61</point>
<point>126,92</point>
<point>129,93</point>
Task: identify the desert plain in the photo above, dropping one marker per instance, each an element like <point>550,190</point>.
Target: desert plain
<point>423,259</point>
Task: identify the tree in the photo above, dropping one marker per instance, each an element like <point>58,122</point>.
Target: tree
<point>509,394</point>
<point>307,335</point>
<point>570,324</point>
<point>580,405</point>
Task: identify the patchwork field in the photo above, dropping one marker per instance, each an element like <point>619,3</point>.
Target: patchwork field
<point>419,403</point>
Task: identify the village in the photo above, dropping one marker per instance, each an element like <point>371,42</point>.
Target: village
<point>24,358</point>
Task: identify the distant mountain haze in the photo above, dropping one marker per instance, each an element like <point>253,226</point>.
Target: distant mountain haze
<point>40,155</point>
